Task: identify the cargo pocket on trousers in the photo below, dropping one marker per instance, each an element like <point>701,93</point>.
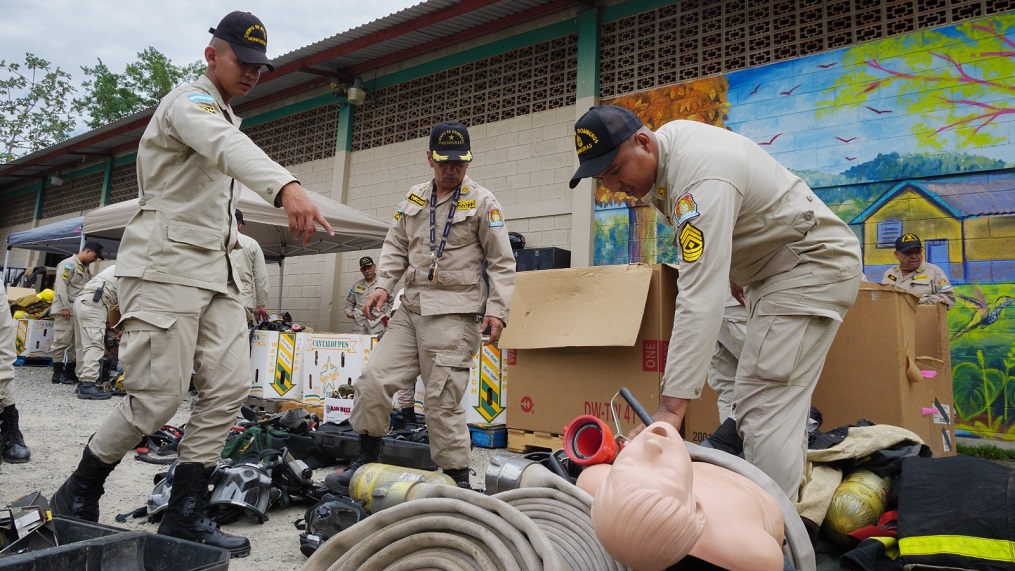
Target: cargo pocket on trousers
<point>150,351</point>
<point>778,338</point>
<point>444,368</point>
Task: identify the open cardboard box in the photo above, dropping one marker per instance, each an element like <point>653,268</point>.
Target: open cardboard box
<point>577,335</point>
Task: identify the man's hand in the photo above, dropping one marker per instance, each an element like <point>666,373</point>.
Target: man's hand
<point>671,410</point>
<point>495,325</point>
<point>737,292</point>
<point>302,212</point>
<point>261,313</point>
<point>374,301</point>
<point>65,313</point>
<point>350,314</point>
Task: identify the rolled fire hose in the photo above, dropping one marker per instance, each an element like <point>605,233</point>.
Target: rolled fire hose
<point>443,527</point>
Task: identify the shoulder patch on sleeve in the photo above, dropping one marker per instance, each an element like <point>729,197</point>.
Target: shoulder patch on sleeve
<point>201,98</point>
<point>692,243</point>
<point>684,209</point>
<point>398,214</point>
<point>496,218</point>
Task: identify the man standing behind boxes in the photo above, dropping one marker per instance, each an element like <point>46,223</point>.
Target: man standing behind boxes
<point>442,234</point>
<point>251,273</point>
<point>91,311</point>
<point>922,278</point>
<point>739,217</point>
<point>178,293</point>
<point>71,275</point>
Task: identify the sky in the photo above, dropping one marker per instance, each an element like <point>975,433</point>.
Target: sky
<point>72,33</point>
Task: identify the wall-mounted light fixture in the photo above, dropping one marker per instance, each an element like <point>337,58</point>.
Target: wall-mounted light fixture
<point>56,180</point>
<point>354,94</point>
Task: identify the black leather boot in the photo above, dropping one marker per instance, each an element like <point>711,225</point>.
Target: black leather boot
<point>11,440</point>
<point>57,373</point>
<point>409,415</point>
<point>79,495</point>
<point>460,476</point>
<point>369,451</point>
<point>90,391</point>
<point>185,516</point>
<point>70,377</point>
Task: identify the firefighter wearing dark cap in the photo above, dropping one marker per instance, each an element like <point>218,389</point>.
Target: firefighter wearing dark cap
<point>443,233</point>
<point>71,276</point>
<point>177,289</point>
<point>358,294</point>
<point>922,278</point>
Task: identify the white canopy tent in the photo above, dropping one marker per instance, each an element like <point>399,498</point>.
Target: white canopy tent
<point>354,230</point>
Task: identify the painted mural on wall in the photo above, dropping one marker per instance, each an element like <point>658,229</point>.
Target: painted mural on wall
<point>914,133</point>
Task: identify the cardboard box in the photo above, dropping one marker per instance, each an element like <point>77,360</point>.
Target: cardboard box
<point>34,337</point>
<point>578,335</point>
<point>18,292</point>
<point>330,360</point>
<point>485,398</point>
<point>275,366</point>
<point>872,370</point>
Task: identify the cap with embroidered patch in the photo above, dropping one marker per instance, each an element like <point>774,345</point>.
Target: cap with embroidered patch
<point>365,262</point>
<point>247,36</point>
<point>907,242</point>
<point>598,136</point>
<point>449,141</point>
<point>97,248</point>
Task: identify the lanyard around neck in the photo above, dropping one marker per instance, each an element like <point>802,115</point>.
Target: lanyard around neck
<point>436,252</point>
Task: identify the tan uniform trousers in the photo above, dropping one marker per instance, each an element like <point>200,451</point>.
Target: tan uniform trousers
<point>8,352</point>
<point>722,370</point>
<point>89,338</point>
<point>63,340</point>
<point>168,331</point>
<point>789,333</point>
<point>405,398</point>
<point>438,347</point>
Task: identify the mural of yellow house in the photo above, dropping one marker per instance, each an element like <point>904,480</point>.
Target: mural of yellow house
<point>967,223</point>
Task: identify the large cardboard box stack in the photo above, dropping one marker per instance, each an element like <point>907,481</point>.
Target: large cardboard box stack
<point>874,370</point>
<point>576,336</point>
<point>275,366</point>
<point>34,337</point>
<point>330,360</point>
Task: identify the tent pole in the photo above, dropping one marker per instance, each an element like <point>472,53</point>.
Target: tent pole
<point>281,280</point>
<point>7,257</point>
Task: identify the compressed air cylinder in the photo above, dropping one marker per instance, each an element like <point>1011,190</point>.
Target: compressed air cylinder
<point>381,486</point>
<point>858,502</point>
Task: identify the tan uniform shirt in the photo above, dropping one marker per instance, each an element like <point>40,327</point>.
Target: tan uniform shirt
<point>477,235</point>
<point>928,281</point>
<point>251,273</point>
<point>71,276</point>
<point>186,162</point>
<point>106,279</point>
<point>737,214</point>
<point>358,294</point>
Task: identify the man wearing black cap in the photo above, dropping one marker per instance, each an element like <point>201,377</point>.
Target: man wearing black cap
<point>178,297</point>
<point>922,278</point>
<point>251,273</point>
<point>357,297</point>
<point>442,234</point>
<point>71,275</point>
<point>739,217</point>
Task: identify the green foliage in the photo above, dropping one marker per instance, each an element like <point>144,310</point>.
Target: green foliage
<point>986,451</point>
<point>894,166</point>
<point>943,75</point>
<point>111,96</point>
<point>34,110</point>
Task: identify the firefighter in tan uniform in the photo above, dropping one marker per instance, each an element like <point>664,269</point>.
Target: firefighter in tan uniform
<point>71,275</point>
<point>358,294</point>
<point>739,217</point>
<point>91,310</point>
<point>12,442</point>
<point>922,278</point>
<point>442,234</point>
<point>251,273</point>
<point>177,289</point>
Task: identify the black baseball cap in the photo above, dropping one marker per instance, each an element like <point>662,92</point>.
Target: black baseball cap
<point>598,136</point>
<point>907,242</point>
<point>449,141</point>
<point>97,248</point>
<point>239,216</point>
<point>247,36</point>
<point>365,262</point>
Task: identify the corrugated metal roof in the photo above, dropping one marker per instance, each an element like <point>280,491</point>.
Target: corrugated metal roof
<point>356,49</point>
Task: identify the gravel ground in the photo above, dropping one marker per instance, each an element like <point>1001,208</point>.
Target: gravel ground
<point>56,426</point>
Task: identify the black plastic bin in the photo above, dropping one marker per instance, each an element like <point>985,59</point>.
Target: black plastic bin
<point>339,441</point>
<point>85,545</point>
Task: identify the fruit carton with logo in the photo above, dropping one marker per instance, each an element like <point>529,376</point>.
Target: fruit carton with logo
<point>34,337</point>
<point>330,360</point>
<point>275,365</point>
